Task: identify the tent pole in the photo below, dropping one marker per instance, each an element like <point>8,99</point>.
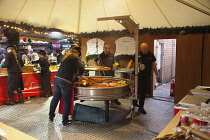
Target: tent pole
<point>79,15</point>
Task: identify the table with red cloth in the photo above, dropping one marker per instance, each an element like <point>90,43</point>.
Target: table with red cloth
<point>32,86</point>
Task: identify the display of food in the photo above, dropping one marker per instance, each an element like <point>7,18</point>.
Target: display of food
<point>95,82</point>
<point>28,68</point>
<point>101,88</point>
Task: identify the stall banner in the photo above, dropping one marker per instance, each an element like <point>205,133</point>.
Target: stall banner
<point>65,45</point>
<point>56,45</point>
<point>125,45</point>
<point>95,46</point>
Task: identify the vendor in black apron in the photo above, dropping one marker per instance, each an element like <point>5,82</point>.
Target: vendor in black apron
<point>106,59</point>
<point>146,63</point>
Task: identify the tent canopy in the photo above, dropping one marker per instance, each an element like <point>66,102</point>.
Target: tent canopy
<point>81,15</point>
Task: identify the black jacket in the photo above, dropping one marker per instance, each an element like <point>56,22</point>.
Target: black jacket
<point>45,73</point>
<point>106,61</point>
<point>11,64</point>
<point>14,69</point>
<point>44,64</point>
<point>70,67</point>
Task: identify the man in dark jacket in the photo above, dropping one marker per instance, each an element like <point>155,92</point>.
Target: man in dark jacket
<point>14,64</point>
<point>106,59</point>
<point>70,68</point>
<point>146,64</point>
<point>45,72</point>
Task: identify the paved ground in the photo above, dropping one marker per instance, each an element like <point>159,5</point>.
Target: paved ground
<point>32,119</point>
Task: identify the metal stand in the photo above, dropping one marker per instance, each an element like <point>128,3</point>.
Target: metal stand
<point>133,28</point>
<point>107,111</point>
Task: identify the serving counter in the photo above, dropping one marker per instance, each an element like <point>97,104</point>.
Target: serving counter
<point>170,128</point>
<point>32,86</point>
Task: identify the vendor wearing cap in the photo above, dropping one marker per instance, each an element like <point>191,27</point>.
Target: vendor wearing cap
<point>14,64</point>
<point>45,72</point>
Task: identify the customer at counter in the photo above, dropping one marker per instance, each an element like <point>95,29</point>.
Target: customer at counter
<point>3,59</point>
<point>45,72</point>
<point>146,60</point>
<point>25,56</point>
<point>70,68</point>
<point>33,56</point>
<point>59,57</point>
<point>106,59</point>
<point>14,64</point>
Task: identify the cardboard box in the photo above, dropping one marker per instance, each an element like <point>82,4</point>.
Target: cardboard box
<point>201,91</point>
<point>189,101</point>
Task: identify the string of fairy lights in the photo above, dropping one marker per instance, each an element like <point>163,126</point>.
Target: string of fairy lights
<point>42,31</point>
<point>23,27</point>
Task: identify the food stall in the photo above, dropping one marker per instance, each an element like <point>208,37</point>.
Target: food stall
<point>31,82</point>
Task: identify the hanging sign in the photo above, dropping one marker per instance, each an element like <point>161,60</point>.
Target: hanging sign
<point>95,46</point>
<point>65,45</point>
<point>56,45</point>
<point>125,45</point>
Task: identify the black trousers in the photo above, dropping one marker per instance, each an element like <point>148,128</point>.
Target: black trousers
<point>62,89</point>
<point>14,81</point>
<point>144,84</point>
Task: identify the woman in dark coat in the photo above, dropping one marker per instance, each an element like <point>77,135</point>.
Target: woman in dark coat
<point>14,64</point>
<point>45,72</point>
<point>70,68</point>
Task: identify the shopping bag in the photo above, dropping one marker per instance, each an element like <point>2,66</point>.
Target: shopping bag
<point>71,110</point>
<point>88,114</point>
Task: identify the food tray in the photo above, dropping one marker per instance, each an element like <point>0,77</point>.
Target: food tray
<point>100,94</point>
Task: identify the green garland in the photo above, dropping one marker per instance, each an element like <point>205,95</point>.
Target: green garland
<point>157,31</point>
<point>89,57</point>
<point>123,57</point>
<point>117,58</point>
<point>114,33</point>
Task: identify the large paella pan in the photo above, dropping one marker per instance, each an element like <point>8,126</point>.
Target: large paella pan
<point>101,88</point>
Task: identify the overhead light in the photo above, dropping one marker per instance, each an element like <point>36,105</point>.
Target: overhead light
<point>56,34</point>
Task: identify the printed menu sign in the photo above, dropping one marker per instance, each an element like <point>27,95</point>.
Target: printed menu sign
<point>95,46</point>
<point>125,45</point>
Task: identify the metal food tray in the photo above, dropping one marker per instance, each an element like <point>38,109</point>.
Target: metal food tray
<point>102,94</point>
<point>97,68</point>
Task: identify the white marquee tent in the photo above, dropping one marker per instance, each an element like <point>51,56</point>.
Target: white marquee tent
<point>81,15</point>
